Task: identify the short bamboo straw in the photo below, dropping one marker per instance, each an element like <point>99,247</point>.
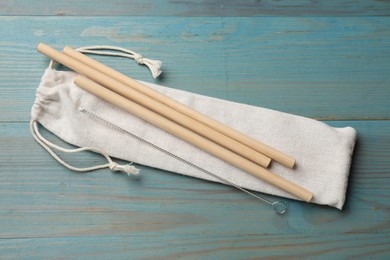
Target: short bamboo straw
<point>156,106</point>
<point>192,138</point>
<point>232,133</point>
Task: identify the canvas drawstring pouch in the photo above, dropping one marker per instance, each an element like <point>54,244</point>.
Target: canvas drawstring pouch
<point>323,153</point>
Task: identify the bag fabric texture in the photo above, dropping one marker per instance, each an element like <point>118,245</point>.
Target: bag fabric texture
<point>323,153</point>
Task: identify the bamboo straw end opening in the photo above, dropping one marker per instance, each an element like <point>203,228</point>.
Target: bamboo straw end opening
<point>267,163</point>
<point>66,49</point>
<point>291,163</point>
<point>309,197</point>
<point>41,46</point>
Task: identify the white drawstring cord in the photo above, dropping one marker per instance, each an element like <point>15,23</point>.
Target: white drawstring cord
<point>153,65</point>
<point>127,168</point>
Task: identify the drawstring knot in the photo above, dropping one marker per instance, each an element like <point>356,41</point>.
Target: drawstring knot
<point>127,168</point>
<point>138,58</point>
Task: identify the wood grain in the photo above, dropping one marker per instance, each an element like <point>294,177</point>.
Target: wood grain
<point>328,60</point>
<point>50,211</point>
<point>325,68</point>
<point>196,8</point>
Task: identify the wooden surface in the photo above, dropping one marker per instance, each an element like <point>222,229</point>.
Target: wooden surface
<point>196,8</point>
<point>329,61</point>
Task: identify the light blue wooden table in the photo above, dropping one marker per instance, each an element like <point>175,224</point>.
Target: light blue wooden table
<point>329,61</point>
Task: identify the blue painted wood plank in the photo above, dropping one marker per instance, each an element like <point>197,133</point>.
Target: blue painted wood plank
<point>189,247</point>
<point>196,8</point>
<point>48,211</point>
<point>326,68</point>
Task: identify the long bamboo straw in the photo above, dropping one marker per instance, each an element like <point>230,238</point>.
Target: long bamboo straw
<point>232,133</point>
<point>156,106</point>
<point>192,138</point>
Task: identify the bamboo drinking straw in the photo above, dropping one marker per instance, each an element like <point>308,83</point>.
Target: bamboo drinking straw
<point>232,133</point>
<point>192,138</point>
<point>154,105</point>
